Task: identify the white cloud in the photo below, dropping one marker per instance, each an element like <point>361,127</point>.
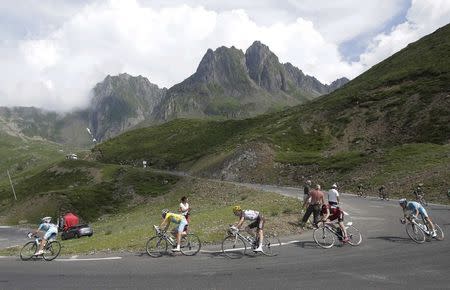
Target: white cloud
<point>165,43</point>
<point>422,18</point>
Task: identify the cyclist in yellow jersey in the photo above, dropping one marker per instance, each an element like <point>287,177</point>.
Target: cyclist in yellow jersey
<point>177,219</point>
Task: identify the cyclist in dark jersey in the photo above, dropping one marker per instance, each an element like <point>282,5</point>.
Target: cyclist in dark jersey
<point>332,213</point>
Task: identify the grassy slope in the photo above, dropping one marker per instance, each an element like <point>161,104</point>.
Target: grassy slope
<point>89,188</point>
<point>18,155</point>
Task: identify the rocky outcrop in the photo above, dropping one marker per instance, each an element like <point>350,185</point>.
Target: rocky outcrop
<point>121,102</point>
<point>231,84</point>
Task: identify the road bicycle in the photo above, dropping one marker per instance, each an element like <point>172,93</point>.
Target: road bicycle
<point>235,244</point>
<point>418,231</point>
<point>326,233</point>
<point>157,245</point>
<point>51,249</point>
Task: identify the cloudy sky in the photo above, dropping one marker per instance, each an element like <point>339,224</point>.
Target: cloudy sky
<point>53,52</point>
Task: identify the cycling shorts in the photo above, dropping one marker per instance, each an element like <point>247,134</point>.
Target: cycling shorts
<point>258,223</point>
<point>423,212</point>
<point>183,223</point>
<point>51,233</point>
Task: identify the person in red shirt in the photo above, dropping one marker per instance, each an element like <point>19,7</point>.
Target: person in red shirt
<point>332,213</point>
<point>70,220</point>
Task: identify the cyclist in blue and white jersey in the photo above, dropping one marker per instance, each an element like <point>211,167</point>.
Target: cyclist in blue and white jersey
<point>50,231</point>
<point>413,209</point>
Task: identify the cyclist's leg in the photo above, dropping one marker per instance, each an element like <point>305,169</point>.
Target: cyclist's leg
<point>341,225</point>
<point>260,229</point>
<point>250,228</point>
<point>426,219</point>
<point>180,230</point>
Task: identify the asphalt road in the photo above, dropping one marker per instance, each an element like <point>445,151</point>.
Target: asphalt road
<point>386,259</point>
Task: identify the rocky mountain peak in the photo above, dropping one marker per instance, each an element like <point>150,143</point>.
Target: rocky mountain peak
<point>264,68</point>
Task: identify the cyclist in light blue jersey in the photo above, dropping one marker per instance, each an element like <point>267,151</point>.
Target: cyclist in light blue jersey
<point>50,231</point>
<point>413,209</point>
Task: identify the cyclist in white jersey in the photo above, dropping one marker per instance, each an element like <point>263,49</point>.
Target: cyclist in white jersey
<point>256,221</point>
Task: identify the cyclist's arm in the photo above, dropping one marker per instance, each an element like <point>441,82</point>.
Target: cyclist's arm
<point>165,224</point>
<point>240,222</point>
<point>326,215</point>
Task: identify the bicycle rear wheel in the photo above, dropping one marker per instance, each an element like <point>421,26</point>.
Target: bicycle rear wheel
<point>439,233</point>
<point>354,236</point>
<point>271,245</point>
<point>324,237</point>
<point>190,245</point>
<point>415,233</point>
<point>52,250</point>
<point>156,246</point>
<point>28,250</point>
<point>233,247</point>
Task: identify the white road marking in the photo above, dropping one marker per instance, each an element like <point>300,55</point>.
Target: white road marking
<point>5,227</point>
<point>238,249</point>
<point>88,259</point>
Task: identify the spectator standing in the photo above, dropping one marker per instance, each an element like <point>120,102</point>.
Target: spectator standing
<point>333,195</point>
<point>306,190</point>
<point>185,209</point>
<point>314,205</point>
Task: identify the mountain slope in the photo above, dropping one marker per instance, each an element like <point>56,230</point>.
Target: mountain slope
<point>391,125</point>
<point>121,102</point>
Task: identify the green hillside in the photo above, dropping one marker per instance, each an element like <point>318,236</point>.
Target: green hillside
<point>89,188</point>
<point>390,126</point>
<point>19,155</point>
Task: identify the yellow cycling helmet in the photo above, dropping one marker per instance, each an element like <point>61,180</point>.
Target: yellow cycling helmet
<point>236,208</point>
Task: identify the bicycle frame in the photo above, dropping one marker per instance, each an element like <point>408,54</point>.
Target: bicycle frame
<point>249,240</point>
<point>334,230</point>
<point>422,226</point>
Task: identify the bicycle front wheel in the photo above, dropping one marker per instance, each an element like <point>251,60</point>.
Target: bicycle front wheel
<point>28,251</point>
<point>156,247</point>
<point>324,237</point>
<point>271,245</point>
<point>354,236</point>
<point>415,233</point>
<point>233,247</point>
<point>439,233</point>
<point>52,250</point>
<point>190,245</point>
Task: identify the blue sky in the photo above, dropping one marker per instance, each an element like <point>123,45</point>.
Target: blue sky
<point>56,51</point>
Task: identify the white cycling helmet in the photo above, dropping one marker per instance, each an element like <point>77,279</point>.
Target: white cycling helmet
<point>334,185</point>
<point>47,219</point>
<point>402,201</point>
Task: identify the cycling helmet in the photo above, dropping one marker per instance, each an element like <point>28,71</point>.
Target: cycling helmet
<point>164,212</point>
<point>402,201</point>
<point>47,219</point>
<point>236,208</point>
<point>334,185</point>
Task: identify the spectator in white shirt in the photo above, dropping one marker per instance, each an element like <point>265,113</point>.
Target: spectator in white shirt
<point>185,209</point>
<point>333,195</point>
